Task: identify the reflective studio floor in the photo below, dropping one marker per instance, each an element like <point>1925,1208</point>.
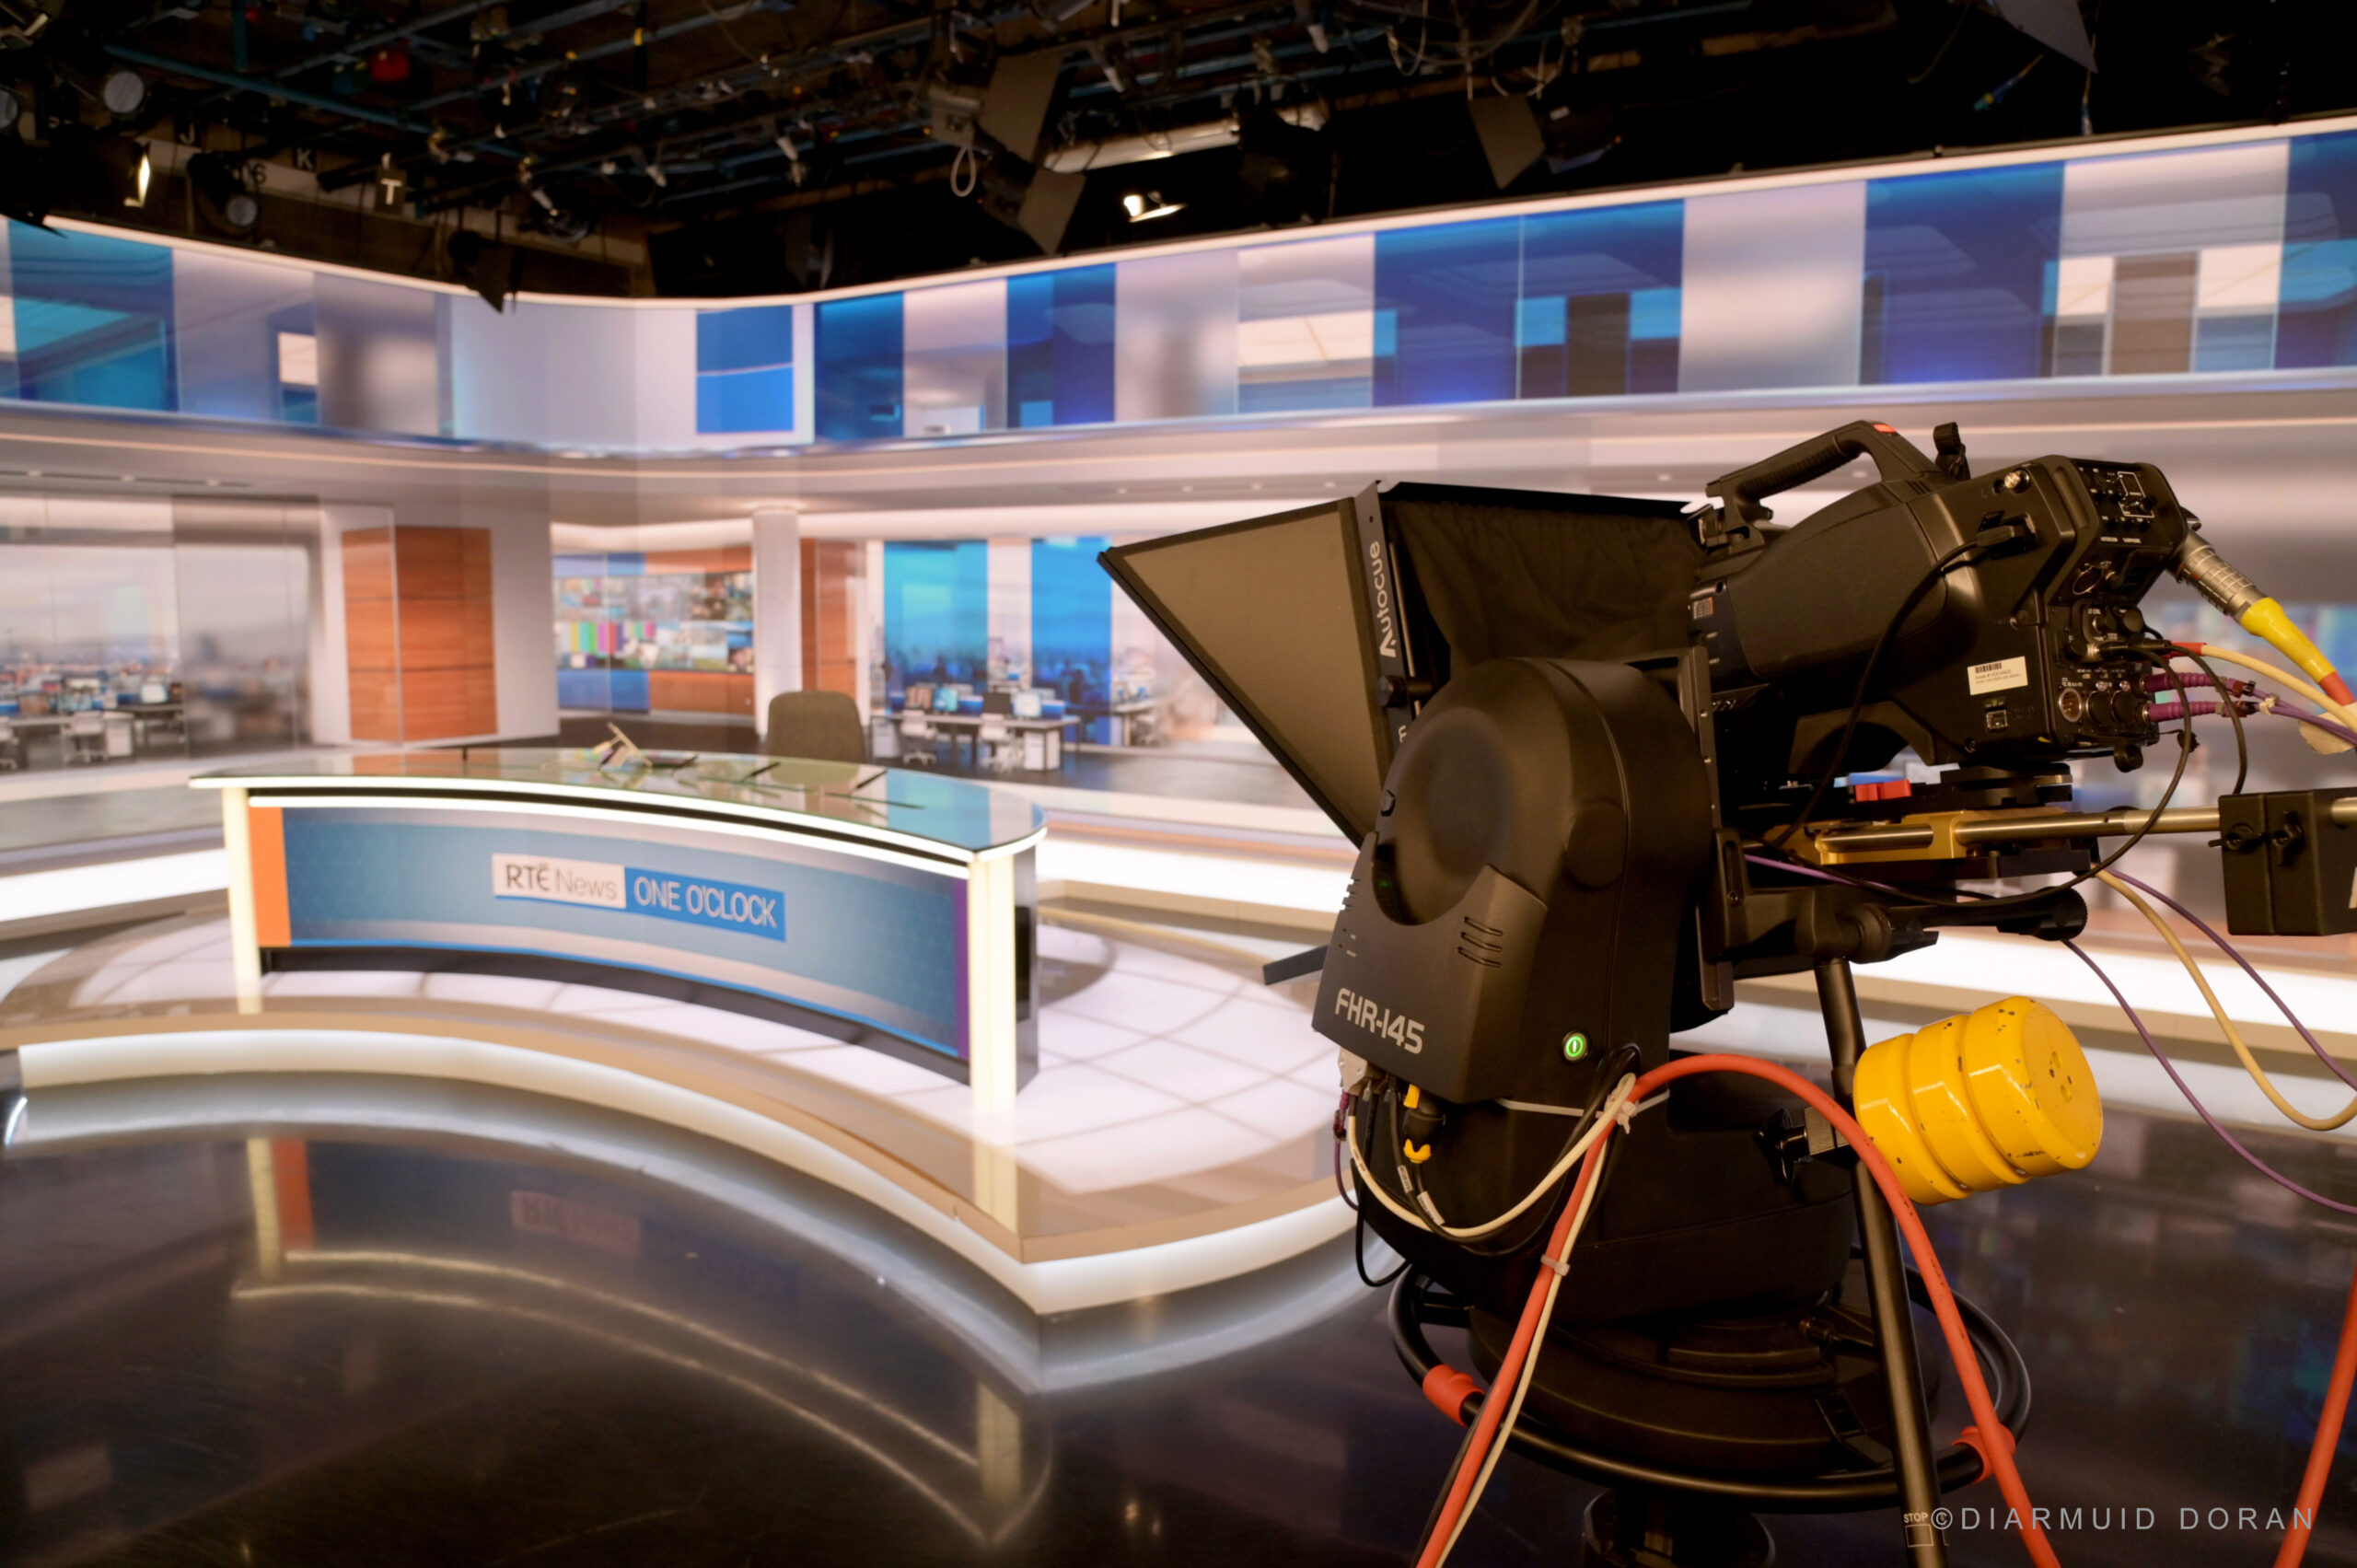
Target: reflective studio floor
<point>428,1343</point>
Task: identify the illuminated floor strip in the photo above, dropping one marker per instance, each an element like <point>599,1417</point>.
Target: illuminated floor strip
<point>78,889</point>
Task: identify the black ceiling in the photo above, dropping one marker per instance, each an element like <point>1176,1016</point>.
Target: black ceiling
<point>696,147</point>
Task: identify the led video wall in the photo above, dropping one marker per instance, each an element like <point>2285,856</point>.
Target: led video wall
<point>2193,256</point>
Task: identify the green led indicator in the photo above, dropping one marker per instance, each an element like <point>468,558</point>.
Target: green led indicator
<point>1575,1046</point>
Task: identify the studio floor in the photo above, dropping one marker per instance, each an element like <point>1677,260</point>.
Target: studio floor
<point>342,1314</point>
<point>463,1336</point>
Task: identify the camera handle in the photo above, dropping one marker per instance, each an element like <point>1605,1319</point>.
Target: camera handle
<point>1741,492</point>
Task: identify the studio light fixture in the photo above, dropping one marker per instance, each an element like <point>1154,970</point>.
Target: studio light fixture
<point>225,194</point>
<point>1147,147</point>
<point>123,92</point>
<point>1146,205</point>
<point>124,167</point>
<point>489,267</point>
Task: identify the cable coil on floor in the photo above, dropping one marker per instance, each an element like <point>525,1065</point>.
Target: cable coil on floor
<point>1411,1309</point>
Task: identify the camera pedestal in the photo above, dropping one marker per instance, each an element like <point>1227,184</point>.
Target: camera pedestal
<point>1918,1486</point>
<point>1645,1527</point>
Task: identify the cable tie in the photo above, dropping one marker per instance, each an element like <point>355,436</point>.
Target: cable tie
<point>1563,1269</point>
<point>1628,1112</point>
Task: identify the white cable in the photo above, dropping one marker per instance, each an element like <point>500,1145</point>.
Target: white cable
<point>1529,1367</point>
<point>1614,1110</point>
<point>2319,739</point>
<point>2286,679</point>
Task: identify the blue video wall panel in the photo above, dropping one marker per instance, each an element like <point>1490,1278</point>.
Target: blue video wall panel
<point>1956,275</point>
<point>1072,618</point>
<point>2316,312</point>
<point>1598,313</point>
<point>937,613</point>
<point>1446,303</point>
<point>93,319</point>
<point>1060,348</point>
<point>1957,281</point>
<point>745,370</point>
<point>859,369</point>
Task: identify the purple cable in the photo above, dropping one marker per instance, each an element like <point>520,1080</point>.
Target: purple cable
<point>2200,1110</point>
<point>2161,713</point>
<point>2174,680</point>
<point>2194,920</point>
<point>2153,1046</point>
<point>2337,731</point>
<point>2245,964</point>
<point>1771,862</point>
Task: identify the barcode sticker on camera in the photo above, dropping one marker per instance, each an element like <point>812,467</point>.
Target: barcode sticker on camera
<point>1999,675</point>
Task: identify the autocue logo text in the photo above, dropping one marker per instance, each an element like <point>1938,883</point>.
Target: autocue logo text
<point>667,895</point>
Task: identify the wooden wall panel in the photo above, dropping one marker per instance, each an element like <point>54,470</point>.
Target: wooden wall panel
<point>831,571</point>
<point>482,700</point>
<point>434,705</point>
<point>699,691</point>
<point>433,634</point>
<point>368,635</point>
<point>368,564</point>
<point>419,634</point>
<point>375,706</point>
<point>721,558</point>
<point>430,563</point>
<point>371,645</point>
<point>480,651</point>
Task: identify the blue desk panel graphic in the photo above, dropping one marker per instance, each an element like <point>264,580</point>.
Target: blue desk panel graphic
<point>861,939</point>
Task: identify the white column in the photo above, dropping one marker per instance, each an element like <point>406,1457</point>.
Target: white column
<point>992,1052</point>
<point>777,606</point>
<point>244,936</point>
<point>867,589</point>
<point>1010,604</point>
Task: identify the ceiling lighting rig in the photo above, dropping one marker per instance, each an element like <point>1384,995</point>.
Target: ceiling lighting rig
<point>989,124</point>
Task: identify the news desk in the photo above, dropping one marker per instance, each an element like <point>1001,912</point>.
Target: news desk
<point>896,907</point>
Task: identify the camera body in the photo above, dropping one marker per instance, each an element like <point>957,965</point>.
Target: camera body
<point>1547,826</point>
<point>2018,652</point>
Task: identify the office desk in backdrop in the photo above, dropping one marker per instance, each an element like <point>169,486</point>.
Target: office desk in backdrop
<point>897,903</point>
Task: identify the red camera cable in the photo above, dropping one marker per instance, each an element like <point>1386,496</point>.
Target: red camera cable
<point>1994,1443</point>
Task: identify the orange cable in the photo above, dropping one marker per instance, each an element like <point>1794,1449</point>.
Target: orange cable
<point>1994,1441</point>
<point>2336,1408</point>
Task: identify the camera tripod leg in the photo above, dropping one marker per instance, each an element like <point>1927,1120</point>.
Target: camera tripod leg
<point>1887,1286</point>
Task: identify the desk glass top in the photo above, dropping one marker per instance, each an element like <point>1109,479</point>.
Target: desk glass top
<point>954,812</point>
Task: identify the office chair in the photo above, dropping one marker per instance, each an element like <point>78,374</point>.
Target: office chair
<point>85,737</point>
<point>917,735</point>
<point>1001,748</point>
<point>822,726</point>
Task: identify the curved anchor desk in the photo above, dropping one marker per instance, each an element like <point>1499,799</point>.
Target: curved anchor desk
<point>897,907</point>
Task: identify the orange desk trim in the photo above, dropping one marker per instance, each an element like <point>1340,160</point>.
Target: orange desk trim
<point>266,839</point>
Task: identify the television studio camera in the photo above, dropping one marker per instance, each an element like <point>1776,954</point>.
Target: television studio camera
<point>1592,749</point>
